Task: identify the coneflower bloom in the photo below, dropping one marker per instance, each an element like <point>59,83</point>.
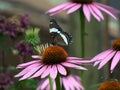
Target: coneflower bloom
<point>89,7</point>
<point>69,82</point>
<point>112,55</point>
<point>54,60</point>
<point>109,85</point>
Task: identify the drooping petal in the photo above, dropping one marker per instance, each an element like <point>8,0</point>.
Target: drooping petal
<point>53,72</point>
<point>73,58</point>
<point>27,64</point>
<point>54,13</point>
<point>24,71</point>
<point>96,63</point>
<point>97,11</point>
<point>109,12</point>
<point>58,8</point>
<point>102,55</point>
<point>28,74</point>
<point>39,72</point>
<point>66,86</point>
<point>115,61</point>
<point>76,84</point>
<point>36,56</point>
<point>69,83</point>
<point>115,11</point>
<point>93,13</point>
<point>43,84</point>
<point>108,58</point>
<point>73,9</point>
<point>86,12</point>
<point>69,6</point>
<point>61,69</point>
<point>70,65</point>
<point>79,61</point>
<point>46,72</point>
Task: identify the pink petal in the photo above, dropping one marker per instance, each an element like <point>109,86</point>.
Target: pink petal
<point>86,12</point>
<point>36,56</point>
<point>70,65</point>
<point>69,6</point>
<point>43,84</point>
<point>73,58</point>
<point>102,55</point>
<point>27,64</point>
<point>79,61</point>
<point>24,71</point>
<point>73,9</point>
<point>46,72</point>
<point>106,59</point>
<point>108,8</point>
<point>75,83</point>
<point>93,13</point>
<point>97,11</point>
<point>28,74</point>
<point>54,13</point>
<point>61,69</point>
<point>96,63</point>
<point>76,77</point>
<point>38,73</point>
<point>109,12</point>
<point>53,72</point>
<point>115,61</point>
<point>59,7</point>
<point>66,86</point>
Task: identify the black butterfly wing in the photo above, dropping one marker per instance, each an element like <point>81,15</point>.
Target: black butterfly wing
<point>62,38</point>
<point>58,35</point>
<point>67,38</point>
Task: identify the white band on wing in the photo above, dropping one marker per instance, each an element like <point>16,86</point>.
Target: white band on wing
<point>64,38</point>
<point>54,30</point>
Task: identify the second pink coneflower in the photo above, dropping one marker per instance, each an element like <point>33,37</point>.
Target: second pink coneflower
<point>112,55</point>
<point>89,7</point>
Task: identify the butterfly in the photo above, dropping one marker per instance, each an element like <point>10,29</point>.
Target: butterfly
<point>58,35</point>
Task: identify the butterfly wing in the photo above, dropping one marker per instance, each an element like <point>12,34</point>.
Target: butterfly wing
<point>58,35</point>
<point>62,38</point>
<point>67,37</point>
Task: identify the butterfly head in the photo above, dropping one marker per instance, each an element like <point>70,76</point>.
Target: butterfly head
<point>53,23</point>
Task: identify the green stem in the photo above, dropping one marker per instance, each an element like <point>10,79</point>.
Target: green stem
<point>58,86</point>
<point>51,83</point>
<point>82,37</point>
<point>82,33</point>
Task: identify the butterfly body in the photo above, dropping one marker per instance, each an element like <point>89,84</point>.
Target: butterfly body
<point>58,35</point>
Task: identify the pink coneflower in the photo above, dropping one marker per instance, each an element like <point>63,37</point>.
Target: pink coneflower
<point>54,60</point>
<point>89,7</point>
<point>70,82</point>
<point>112,55</point>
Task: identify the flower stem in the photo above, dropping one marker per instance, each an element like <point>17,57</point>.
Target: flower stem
<point>82,38</point>
<point>82,33</point>
<point>51,83</point>
<point>58,86</point>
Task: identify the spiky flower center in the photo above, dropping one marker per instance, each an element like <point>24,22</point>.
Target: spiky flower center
<point>83,1</point>
<point>116,45</point>
<point>54,55</point>
<point>110,85</point>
